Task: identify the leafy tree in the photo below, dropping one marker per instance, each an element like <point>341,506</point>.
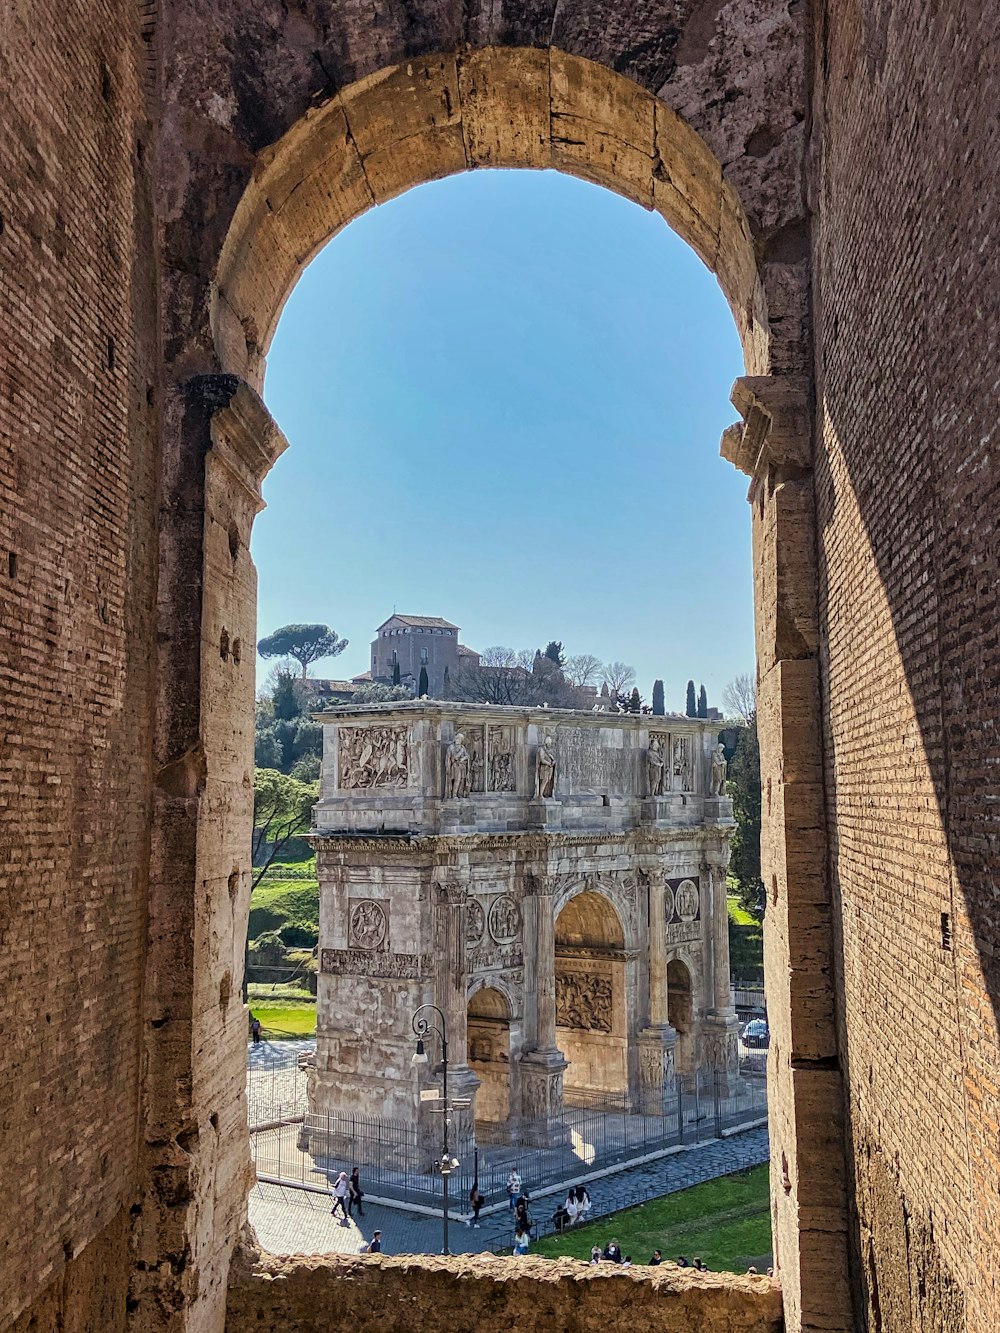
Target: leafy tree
<point>702,703</point>
<point>422,684</point>
<point>744,788</point>
<point>554,652</point>
<point>307,769</point>
<point>285,702</point>
<point>504,676</point>
<point>619,677</point>
<point>691,708</point>
<point>739,698</point>
<point>582,669</point>
<point>658,707</point>
<point>282,810</point>
<point>395,672</point>
<point>267,749</point>
<point>306,643</point>
<point>635,701</point>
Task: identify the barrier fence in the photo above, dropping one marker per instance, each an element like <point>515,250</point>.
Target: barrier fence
<point>398,1160</point>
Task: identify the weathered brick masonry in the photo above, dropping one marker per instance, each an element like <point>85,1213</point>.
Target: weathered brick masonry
<point>837,169</point>
<point>78,483</point>
<point>906,283</point>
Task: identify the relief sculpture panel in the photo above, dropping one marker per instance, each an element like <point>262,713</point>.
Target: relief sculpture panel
<point>373,757</point>
<point>368,924</point>
<point>502,772</point>
<point>584,1001</point>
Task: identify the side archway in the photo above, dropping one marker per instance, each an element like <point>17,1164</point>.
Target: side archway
<point>488,1027</point>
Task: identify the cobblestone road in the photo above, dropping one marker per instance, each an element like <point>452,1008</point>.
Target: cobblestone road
<point>290,1221</point>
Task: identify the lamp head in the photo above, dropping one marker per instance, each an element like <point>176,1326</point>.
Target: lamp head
<point>419,1055</point>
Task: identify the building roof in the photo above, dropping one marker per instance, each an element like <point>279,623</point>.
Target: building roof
<point>421,622</point>
<point>363,679</point>
<point>464,651</point>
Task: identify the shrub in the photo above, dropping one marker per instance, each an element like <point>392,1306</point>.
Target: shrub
<point>297,935</point>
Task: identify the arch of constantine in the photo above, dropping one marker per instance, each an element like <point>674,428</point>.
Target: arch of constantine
<point>166,172</point>
<point>555,881</point>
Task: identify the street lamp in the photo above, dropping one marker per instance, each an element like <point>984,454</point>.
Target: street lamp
<point>422,1026</point>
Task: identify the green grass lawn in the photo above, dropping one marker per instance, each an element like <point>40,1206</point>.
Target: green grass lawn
<point>725,1222</point>
<point>276,903</point>
<point>737,914</point>
<point>285,1018</point>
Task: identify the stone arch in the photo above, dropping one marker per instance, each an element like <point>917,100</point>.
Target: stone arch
<point>436,115</point>
<point>489,1015</point>
<point>499,984</point>
<point>682,1010</point>
<point>596,978</point>
<point>616,900</point>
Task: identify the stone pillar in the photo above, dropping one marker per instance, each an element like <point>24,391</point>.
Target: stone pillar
<point>721,1026</point>
<point>773,446</point>
<point>452,989</point>
<point>658,1041</point>
<point>542,1067</point>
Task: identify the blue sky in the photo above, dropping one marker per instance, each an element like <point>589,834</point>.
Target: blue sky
<point>504,394</point>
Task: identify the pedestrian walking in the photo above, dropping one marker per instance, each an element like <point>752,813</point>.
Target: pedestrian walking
<point>522,1241</point>
<point>476,1202</point>
<point>255,1030</point>
<point>341,1191</point>
<point>583,1204</point>
<point>513,1189</point>
<point>355,1193</point>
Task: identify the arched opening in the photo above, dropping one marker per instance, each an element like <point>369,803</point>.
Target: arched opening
<point>434,116</point>
<point>681,1014</point>
<point>592,1027</point>
<point>489,1054</point>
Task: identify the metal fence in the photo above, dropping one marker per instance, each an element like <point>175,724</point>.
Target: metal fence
<point>595,1132</point>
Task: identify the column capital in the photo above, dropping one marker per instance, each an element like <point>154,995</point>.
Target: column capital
<point>776,428</point>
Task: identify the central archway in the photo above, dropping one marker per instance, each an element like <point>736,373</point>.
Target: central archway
<point>592,1023</point>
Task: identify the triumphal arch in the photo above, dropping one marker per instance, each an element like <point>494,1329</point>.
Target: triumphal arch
<point>555,881</point>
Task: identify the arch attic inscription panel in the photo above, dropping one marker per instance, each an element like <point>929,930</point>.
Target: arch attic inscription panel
<point>534,874</point>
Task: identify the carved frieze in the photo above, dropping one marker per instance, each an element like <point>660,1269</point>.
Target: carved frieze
<point>502,750</point>
<point>584,1000</point>
<point>363,963</point>
<point>373,757</point>
<point>683,764</point>
<point>368,924</point>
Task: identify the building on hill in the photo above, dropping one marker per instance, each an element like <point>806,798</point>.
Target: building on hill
<point>414,642</point>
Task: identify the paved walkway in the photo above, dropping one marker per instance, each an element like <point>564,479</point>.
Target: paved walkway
<point>290,1221</point>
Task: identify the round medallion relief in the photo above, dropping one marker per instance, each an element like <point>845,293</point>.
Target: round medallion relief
<point>668,902</point>
<point>505,919</point>
<point>686,900</point>
<point>368,924</point>
<point>475,922</point>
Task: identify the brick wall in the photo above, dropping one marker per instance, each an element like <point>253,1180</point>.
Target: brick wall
<point>907,483</point>
<point>77,545</point>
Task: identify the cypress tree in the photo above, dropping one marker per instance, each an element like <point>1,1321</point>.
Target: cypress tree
<point>691,708</point>
<point>395,672</point>
<point>702,703</point>
<point>447,683</point>
<point>605,692</point>
<point>422,686</point>
<point>634,703</point>
<point>658,707</point>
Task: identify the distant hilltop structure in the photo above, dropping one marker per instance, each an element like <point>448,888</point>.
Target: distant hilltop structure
<point>405,645</point>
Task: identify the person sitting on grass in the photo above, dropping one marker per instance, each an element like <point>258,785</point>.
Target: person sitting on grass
<point>595,1255</point>
<point>682,1262</point>
<point>701,1266</point>
<point>560,1218</point>
<point>656,1259</point>
<point>522,1241</point>
<point>612,1252</point>
<point>627,1261</point>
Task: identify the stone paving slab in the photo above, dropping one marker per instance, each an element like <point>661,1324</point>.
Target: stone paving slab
<point>291,1221</point>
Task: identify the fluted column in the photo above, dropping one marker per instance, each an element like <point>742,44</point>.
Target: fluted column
<point>545,969</point>
<point>722,1000</point>
<point>658,995</point>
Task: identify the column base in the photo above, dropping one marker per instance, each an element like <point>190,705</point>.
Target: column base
<point>720,1033</point>
<point>544,812</point>
<point>542,1099</point>
<point>658,1070</point>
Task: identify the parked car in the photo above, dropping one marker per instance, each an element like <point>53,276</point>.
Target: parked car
<point>756,1036</point>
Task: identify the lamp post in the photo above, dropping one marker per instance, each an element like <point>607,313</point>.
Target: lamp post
<point>422,1025</point>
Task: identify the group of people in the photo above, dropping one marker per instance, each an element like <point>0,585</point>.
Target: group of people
<point>573,1209</point>
<point>347,1195</point>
